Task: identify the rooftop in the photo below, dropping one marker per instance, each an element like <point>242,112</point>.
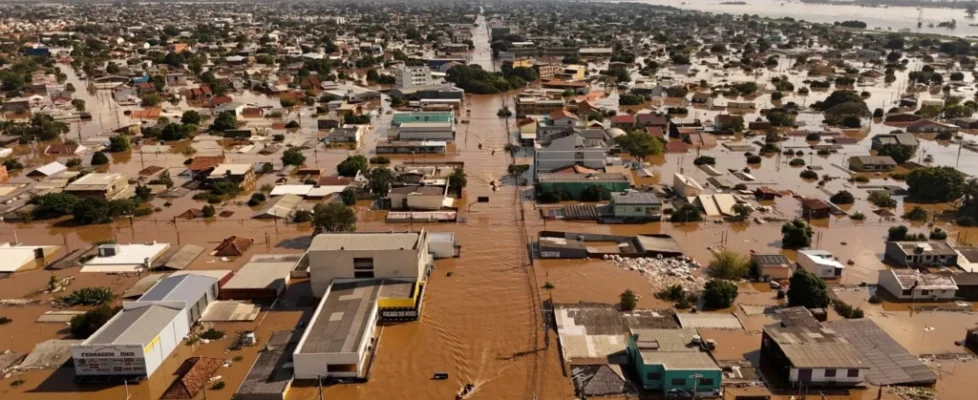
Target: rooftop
<point>139,325</point>
<point>264,271</point>
<point>221,170</point>
<point>932,247</point>
<point>602,177</point>
<point>366,241</point>
<point>909,278</point>
<point>770,259</point>
<point>339,323</point>
<point>889,362</point>
<point>634,198</point>
<point>808,347</point>
<point>673,349</point>
<point>186,288</point>
<point>95,181</point>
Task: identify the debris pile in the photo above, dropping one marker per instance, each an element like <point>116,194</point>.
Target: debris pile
<point>663,272</point>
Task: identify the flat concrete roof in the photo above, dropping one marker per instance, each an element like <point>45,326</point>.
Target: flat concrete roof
<point>342,317</point>
<point>128,258</point>
<point>365,241</point>
<point>186,288</point>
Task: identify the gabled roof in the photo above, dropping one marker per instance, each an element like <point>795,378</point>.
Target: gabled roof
<point>562,113</point>
<point>233,246</point>
<point>201,163</point>
<point>193,374</point>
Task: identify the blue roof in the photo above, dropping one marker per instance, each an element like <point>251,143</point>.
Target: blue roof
<point>187,288</point>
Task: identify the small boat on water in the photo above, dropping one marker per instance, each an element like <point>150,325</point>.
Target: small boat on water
<point>465,392</point>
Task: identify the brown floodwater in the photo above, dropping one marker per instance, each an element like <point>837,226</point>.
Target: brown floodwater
<point>483,324</point>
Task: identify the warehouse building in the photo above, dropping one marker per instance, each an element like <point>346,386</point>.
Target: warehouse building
<point>136,341</point>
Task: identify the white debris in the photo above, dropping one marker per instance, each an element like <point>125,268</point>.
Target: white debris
<point>663,272</point>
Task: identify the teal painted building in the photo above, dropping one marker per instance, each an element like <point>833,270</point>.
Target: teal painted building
<point>576,184</point>
<point>422,116</point>
<point>668,360</point>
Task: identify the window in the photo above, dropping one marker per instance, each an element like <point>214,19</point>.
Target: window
<point>830,373</point>
<point>924,292</point>
<point>907,292</point>
<point>706,381</point>
<point>853,373</point>
<point>363,274</point>
<point>678,382</point>
<point>363,263</point>
<point>653,376</point>
<point>638,209</point>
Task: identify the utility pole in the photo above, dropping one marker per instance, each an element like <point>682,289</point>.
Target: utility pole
<point>696,381</point>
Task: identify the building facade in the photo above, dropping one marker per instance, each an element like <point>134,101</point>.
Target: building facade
<point>399,255</point>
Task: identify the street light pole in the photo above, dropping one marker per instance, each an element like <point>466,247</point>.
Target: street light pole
<point>696,381</point>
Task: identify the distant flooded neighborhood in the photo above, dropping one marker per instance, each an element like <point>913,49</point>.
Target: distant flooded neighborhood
<point>488,200</point>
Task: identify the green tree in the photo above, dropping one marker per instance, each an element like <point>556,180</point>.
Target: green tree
<point>352,165</point>
<point>457,181</point>
<point>53,205</point>
<point>190,117</point>
<point>207,211</point>
<point>349,196</point>
<point>627,301</point>
<point>807,290</point>
<point>224,121</point>
<point>380,181</point>
<point>333,217</point>
<point>89,296</point>
<point>936,184</point>
<point>119,143</point>
<point>79,104</point>
<point>898,152</point>
<point>151,100</point>
<point>728,264</point>
<point>842,197</point>
<point>91,211</point>
<point>897,233</point>
<point>83,326</point>
<point>742,211</point>
<point>99,158</point>
<point>796,234</point>
<point>686,213</point>
<point>640,145</point>
<point>293,156</point>
<point>719,293</point>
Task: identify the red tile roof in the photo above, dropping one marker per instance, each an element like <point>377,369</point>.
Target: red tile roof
<point>676,146</point>
<point>623,119</point>
<point>201,163</point>
<point>194,374</point>
<point>233,246</point>
<point>562,113</point>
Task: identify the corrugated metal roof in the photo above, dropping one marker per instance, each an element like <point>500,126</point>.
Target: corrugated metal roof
<point>135,326</point>
<point>188,288</point>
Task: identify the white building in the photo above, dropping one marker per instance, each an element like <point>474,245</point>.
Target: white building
<point>686,186</point>
<point>137,340</point>
<point>14,257</point>
<point>418,197</point>
<point>908,284</point>
<point>125,257</point>
<point>365,255</point>
<point>820,263</point>
<point>407,77</point>
<point>571,147</point>
<point>338,340</point>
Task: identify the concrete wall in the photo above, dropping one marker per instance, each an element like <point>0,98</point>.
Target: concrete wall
<point>153,353</point>
<point>821,271</point>
<point>425,202</point>
<point>640,211</point>
<point>326,265</point>
<point>446,135</point>
<point>889,282</point>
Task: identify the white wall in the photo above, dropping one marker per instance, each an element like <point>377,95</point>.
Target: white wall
<point>311,365</point>
<point>433,134</point>
<point>425,202</point>
<point>889,282</point>
<point>841,376</point>
<point>326,265</point>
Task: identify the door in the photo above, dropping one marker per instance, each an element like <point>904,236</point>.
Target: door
<point>804,375</point>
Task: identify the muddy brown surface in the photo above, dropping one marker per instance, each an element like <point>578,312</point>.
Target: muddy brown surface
<point>483,324</point>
